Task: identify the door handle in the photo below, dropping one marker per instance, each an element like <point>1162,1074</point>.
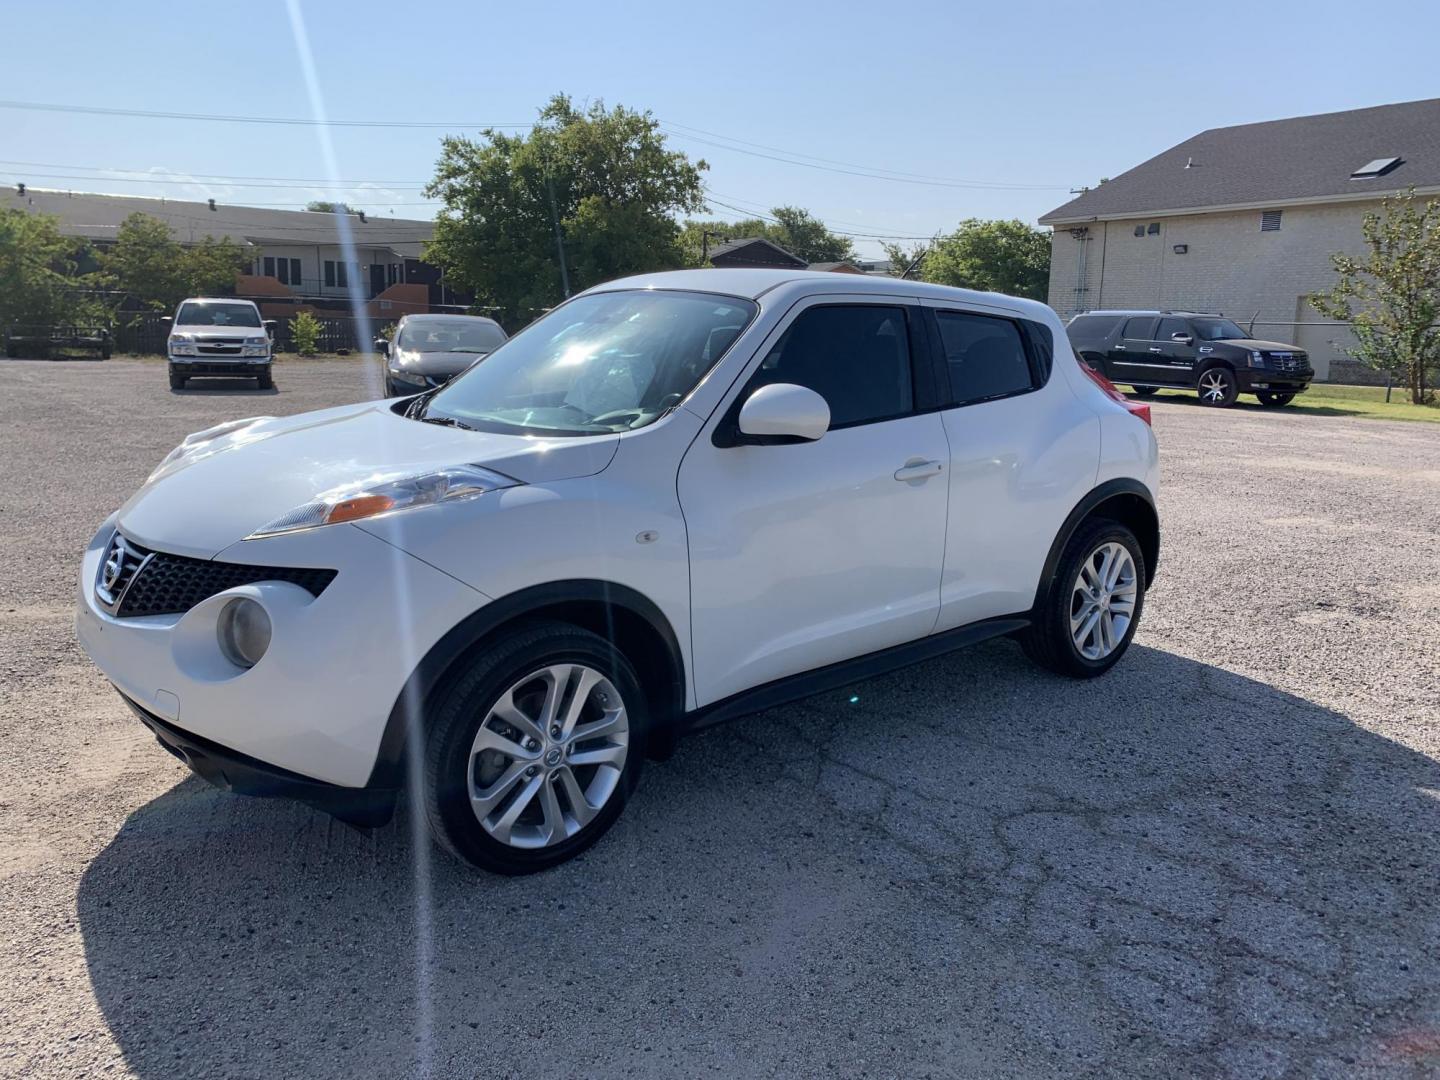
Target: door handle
<point>1119,348</point>
<point>1155,348</point>
<point>918,469</point>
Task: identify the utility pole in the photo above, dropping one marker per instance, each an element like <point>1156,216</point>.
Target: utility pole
<point>705,235</point>
<point>559,240</point>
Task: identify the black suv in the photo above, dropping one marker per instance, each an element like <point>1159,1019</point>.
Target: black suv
<point>1186,350</point>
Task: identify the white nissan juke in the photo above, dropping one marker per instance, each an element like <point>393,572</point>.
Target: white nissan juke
<point>674,499</point>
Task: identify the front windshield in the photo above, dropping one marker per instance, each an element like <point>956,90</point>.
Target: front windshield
<point>1217,329</point>
<point>607,362</point>
<point>217,315</point>
<point>450,335</point>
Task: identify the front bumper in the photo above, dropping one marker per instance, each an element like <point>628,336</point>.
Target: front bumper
<point>318,701</point>
<point>226,365</point>
<point>368,807</point>
<point>1276,382</point>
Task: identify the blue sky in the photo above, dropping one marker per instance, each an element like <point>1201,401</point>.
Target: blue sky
<point>1028,99</point>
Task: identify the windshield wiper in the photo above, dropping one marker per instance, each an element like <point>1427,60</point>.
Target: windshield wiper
<point>446,421</point>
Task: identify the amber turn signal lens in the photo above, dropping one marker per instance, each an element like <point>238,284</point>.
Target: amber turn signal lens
<point>361,506</point>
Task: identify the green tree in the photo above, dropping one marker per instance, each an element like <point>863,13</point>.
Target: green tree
<point>604,175</point>
<point>147,264</point>
<point>994,256</point>
<point>1390,296</point>
<point>305,332</point>
<point>907,261</point>
<point>796,230</point>
<point>144,263</point>
<point>36,264</point>
<point>324,206</point>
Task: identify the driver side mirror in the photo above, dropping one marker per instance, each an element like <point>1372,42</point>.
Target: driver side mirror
<point>783,413</point>
<point>382,346</point>
<point>269,325</point>
<point>167,318</point>
<point>1182,338</point>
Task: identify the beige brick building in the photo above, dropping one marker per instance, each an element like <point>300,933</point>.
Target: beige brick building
<point>1243,221</point>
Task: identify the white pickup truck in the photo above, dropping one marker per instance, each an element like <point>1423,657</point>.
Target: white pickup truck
<point>222,337</point>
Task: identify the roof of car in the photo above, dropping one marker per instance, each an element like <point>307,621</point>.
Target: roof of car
<point>216,300</point>
<point>425,316</point>
<point>1151,311</point>
<point>755,283</point>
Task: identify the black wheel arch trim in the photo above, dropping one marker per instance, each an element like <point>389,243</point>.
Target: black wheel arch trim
<point>1083,509</point>
<point>389,768</point>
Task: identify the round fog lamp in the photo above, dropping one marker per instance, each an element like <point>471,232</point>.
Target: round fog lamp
<point>244,632</point>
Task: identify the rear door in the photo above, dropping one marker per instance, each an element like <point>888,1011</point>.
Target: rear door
<point>1136,358</point>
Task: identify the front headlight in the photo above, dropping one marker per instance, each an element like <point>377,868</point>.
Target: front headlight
<point>381,495</point>
<point>182,345</point>
<point>195,445</point>
<point>1257,358</point>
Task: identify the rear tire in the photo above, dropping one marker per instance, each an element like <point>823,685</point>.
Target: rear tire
<point>1272,400</point>
<point>1145,391</point>
<point>490,756</point>
<point>1217,387</point>
<point>177,382</point>
<point>1101,574</point>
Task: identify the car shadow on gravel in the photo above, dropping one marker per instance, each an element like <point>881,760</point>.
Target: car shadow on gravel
<point>208,387</point>
<point>963,868</point>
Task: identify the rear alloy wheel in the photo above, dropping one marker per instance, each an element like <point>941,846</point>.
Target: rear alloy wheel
<point>1144,391</point>
<point>1088,619</point>
<point>534,751</point>
<point>1272,400</point>
<point>1217,387</point>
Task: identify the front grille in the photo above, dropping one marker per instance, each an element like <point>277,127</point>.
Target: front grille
<point>165,584</point>
<point>1289,361</point>
<point>220,346</point>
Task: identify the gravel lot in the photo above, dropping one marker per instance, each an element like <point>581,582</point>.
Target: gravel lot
<point>1220,859</point>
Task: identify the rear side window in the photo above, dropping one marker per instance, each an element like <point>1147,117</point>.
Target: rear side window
<point>1141,329</point>
<point>857,357</point>
<point>985,357</point>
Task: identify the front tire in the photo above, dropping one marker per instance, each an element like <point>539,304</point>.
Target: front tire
<point>535,747</point>
<point>177,382</point>
<point>1088,617</point>
<point>1272,400</point>
<point>265,381</point>
<point>1217,387</point>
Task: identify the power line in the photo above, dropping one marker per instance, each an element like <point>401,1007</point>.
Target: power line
<point>218,177</point>
<point>681,129</point>
<point>96,110</point>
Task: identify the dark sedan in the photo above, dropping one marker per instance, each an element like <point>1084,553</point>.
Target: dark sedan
<point>430,350</point>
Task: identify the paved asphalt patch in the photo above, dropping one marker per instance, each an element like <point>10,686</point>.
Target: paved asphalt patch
<point>1220,859</point>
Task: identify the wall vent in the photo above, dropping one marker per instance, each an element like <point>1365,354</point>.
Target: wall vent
<point>1270,221</point>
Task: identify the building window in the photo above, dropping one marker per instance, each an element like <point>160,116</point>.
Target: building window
<point>1139,230</point>
<point>269,266</point>
<point>342,275</point>
<point>329,273</point>
<point>295,272</point>
<point>1154,229</point>
<point>1270,221</point>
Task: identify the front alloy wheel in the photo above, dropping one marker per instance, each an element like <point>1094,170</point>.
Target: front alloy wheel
<point>548,756</point>
<point>533,748</point>
<point>1217,387</point>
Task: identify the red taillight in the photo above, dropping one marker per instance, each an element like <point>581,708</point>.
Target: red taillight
<point>1134,407</point>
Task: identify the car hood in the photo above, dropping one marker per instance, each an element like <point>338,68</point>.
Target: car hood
<point>436,363</point>
<point>1255,343</point>
<point>240,482</point>
<point>207,332</point>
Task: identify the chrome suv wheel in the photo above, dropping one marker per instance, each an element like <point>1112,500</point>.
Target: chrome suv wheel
<point>534,749</point>
<point>1088,616</point>
<point>1217,387</point>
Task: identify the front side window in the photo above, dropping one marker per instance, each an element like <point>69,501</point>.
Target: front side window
<point>217,314</point>
<point>1170,327</point>
<point>857,357</point>
<point>603,363</point>
<point>1217,330</point>
<point>985,357</point>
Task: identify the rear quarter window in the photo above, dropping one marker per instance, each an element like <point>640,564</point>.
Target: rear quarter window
<point>1089,331</point>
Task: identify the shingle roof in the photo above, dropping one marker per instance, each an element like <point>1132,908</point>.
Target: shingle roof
<point>735,246</point>
<point>1306,158</point>
<point>97,217</point>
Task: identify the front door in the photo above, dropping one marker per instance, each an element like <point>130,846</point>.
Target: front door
<point>808,554</point>
<point>1178,343</point>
